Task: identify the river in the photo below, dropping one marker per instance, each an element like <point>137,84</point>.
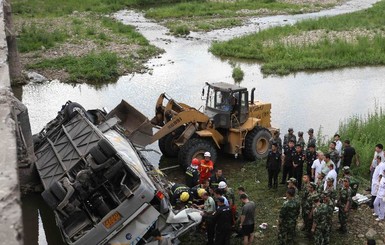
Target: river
<point>303,100</point>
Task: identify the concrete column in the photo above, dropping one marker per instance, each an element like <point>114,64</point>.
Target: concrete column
<point>10,210</point>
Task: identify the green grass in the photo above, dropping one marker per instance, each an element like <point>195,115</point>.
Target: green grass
<point>238,74</point>
<point>281,58</point>
<point>180,30</point>
<point>94,68</point>
<point>218,9</point>
<point>33,37</point>
<point>364,133</point>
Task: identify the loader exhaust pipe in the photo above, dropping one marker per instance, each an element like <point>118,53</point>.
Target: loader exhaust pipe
<point>252,96</point>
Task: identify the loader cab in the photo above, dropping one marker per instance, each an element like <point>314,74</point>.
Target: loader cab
<point>227,104</point>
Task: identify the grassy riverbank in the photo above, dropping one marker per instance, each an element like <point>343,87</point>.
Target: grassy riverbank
<point>364,132</point>
<point>75,42</point>
<point>354,39</point>
<point>208,15</point>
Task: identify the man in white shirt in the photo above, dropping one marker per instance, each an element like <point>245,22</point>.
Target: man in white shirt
<point>317,165</point>
<point>331,174</point>
<point>378,152</point>
<point>377,171</point>
<point>339,149</point>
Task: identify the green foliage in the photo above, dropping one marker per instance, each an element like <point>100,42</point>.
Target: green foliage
<point>180,30</point>
<point>238,74</point>
<point>218,9</point>
<point>93,68</point>
<point>33,37</point>
<point>280,58</point>
<point>364,132</point>
<point>125,30</point>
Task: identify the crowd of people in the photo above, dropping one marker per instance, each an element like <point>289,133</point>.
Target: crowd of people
<point>206,189</point>
<point>318,184</point>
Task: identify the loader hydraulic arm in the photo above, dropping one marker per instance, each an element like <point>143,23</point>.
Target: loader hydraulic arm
<point>190,116</point>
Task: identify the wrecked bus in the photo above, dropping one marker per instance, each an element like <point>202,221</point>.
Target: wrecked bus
<point>98,183</point>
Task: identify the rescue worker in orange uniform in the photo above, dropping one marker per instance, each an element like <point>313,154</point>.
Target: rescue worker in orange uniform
<point>205,167</point>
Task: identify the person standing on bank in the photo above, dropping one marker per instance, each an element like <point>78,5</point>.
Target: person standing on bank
<point>276,139</point>
<point>222,222</point>
<point>289,136</point>
<point>287,222</point>
<point>339,149</point>
<point>301,140</point>
<point>311,156</point>
<point>298,160</point>
<point>247,220</point>
<point>273,165</point>
<point>312,140</point>
<point>349,153</point>
<point>287,161</point>
<point>344,204</point>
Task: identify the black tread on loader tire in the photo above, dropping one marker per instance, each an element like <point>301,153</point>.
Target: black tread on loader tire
<point>193,146</point>
<point>258,136</point>
<point>107,148</point>
<point>166,143</point>
<point>98,155</point>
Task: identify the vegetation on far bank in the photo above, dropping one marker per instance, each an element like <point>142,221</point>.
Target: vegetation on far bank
<point>354,39</point>
<point>71,40</point>
<point>205,15</point>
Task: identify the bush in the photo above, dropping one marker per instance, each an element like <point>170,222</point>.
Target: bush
<point>180,30</point>
<point>92,68</point>
<point>238,74</point>
<point>33,38</point>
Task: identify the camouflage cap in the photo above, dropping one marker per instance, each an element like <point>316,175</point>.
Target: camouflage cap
<point>346,168</point>
<point>324,172</point>
<point>326,193</point>
<point>291,180</point>
<point>312,184</point>
<point>290,129</point>
<point>310,130</point>
<point>330,179</point>
<point>300,133</point>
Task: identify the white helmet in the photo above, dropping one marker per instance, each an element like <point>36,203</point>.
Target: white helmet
<point>207,154</point>
<point>222,185</point>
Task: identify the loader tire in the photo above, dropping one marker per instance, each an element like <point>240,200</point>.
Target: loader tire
<point>166,144</point>
<point>257,144</point>
<point>195,148</point>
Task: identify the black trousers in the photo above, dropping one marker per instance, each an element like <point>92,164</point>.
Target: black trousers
<point>287,172</point>
<point>210,228</point>
<point>297,174</point>
<point>222,237</point>
<point>273,177</point>
<point>308,171</point>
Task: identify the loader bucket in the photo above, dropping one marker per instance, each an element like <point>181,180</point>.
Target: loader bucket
<point>137,127</point>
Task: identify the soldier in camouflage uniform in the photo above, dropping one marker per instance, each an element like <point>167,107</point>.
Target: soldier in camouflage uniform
<point>320,222</point>
<point>312,139</point>
<point>330,204</point>
<point>343,204</point>
<point>304,195</point>
<point>276,139</point>
<point>334,155</point>
<point>354,184</point>
<point>288,219</point>
<point>308,207</point>
<point>320,182</point>
<point>330,189</point>
<point>292,183</point>
<point>301,140</point>
<point>289,136</point>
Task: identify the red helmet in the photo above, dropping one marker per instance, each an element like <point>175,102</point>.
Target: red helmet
<point>195,161</point>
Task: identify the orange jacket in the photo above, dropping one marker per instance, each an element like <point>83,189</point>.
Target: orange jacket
<point>205,169</point>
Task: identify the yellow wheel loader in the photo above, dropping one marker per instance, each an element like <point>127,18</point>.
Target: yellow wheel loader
<point>230,122</point>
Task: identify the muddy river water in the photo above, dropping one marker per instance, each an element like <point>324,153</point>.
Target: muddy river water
<point>300,100</point>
